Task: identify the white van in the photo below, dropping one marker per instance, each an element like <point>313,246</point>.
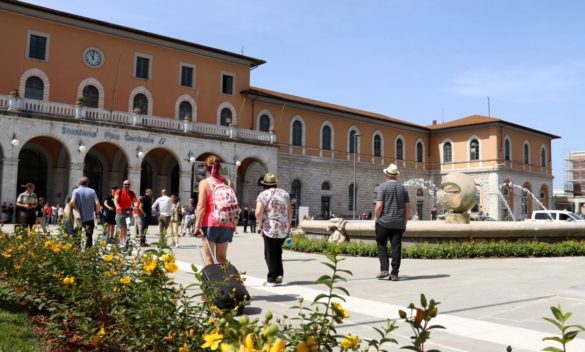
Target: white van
<point>555,215</point>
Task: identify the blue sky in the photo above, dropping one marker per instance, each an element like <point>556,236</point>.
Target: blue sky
<point>416,60</point>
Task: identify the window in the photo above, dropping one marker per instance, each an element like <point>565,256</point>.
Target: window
<point>141,103</point>
<point>184,109</point>
<point>142,67</point>
<point>543,157</point>
<point>37,47</point>
<point>351,192</point>
<point>377,145</point>
<point>325,186</point>
<point>91,96</point>
<point>526,154</point>
<point>326,138</point>
<point>186,76</point>
<point>507,149</point>
<point>447,152</point>
<point>352,142</point>
<point>524,204</point>
<point>474,150</point>
<point>399,149</point>
<point>420,192</point>
<point>265,123</point>
<point>34,88</point>
<point>226,117</point>
<point>227,84</point>
<point>297,133</point>
<point>419,152</point>
<point>295,199</point>
<point>325,206</point>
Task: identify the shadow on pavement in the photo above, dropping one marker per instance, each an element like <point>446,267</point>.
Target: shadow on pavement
<point>423,277</point>
<point>300,283</point>
<point>299,260</point>
<point>274,298</point>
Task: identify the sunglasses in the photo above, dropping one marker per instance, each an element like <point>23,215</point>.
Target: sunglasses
<point>126,184</point>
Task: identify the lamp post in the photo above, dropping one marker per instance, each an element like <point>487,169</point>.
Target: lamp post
<point>355,150</point>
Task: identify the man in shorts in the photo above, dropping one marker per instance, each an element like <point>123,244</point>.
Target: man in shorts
<point>124,198</point>
<point>86,201</point>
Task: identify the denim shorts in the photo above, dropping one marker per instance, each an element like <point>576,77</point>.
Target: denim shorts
<point>218,234</point>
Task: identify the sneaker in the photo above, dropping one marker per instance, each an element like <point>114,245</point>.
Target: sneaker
<point>270,284</point>
<point>394,277</point>
<point>278,280</point>
<point>382,275</point>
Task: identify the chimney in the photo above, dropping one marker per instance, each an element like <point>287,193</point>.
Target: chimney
<point>434,122</point>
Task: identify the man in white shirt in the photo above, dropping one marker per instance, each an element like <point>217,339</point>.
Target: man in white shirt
<point>163,211</point>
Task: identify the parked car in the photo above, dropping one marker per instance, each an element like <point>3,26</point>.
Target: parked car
<point>486,218</point>
<point>555,215</point>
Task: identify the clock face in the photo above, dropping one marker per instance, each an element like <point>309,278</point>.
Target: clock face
<point>93,57</point>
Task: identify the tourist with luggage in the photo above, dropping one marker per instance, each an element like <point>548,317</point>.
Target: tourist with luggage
<point>274,214</point>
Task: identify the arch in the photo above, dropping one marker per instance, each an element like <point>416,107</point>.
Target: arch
<point>447,151</point>
<point>420,192</point>
<point>378,144</point>
<point>189,99</point>
<point>526,152</point>
<point>91,81</point>
<point>297,131</point>
<point>327,136</point>
<point>146,92</point>
<point>474,148</point>
<point>353,140</point>
<point>526,201</point>
<point>507,148</point>
<point>34,88</point>
<point>543,156</point>
<point>93,169</point>
<point>261,120</point>
<point>35,72</point>
<point>326,186</point>
<point>543,195</point>
<point>399,147</point>
<point>231,108</point>
<point>508,197</point>
<point>420,151</point>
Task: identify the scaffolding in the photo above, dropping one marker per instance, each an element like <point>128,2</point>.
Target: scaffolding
<point>575,173</point>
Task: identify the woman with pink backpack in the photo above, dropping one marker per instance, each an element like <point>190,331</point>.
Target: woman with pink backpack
<point>217,212</point>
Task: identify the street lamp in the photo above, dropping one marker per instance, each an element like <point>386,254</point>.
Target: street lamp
<point>355,150</point>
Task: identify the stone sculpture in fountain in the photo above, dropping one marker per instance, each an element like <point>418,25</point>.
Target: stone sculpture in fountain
<point>456,195</point>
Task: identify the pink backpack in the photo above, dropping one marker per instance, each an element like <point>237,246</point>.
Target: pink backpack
<point>226,209</point>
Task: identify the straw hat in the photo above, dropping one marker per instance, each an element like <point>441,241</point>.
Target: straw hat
<point>269,180</point>
<point>392,170</point>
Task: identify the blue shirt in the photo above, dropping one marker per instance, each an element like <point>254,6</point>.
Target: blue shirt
<point>85,199</point>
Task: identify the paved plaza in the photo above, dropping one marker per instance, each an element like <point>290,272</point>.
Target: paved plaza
<point>486,304</point>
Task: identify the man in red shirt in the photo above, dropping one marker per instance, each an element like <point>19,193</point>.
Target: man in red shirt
<point>123,200</point>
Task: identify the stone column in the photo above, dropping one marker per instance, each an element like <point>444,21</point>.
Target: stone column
<point>185,186</point>
<point>134,178</point>
<point>75,173</point>
<point>9,179</point>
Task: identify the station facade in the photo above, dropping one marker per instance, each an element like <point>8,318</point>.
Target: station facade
<point>80,96</point>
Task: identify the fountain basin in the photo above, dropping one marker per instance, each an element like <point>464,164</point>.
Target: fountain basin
<point>436,231</point>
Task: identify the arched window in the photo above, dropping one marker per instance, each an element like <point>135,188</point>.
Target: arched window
<point>91,96</point>
<point>297,133</point>
<point>526,154</point>
<point>351,193</point>
<point>420,193</point>
<point>506,216</point>
<point>326,138</point>
<point>474,149</point>
<point>447,152</point>
<point>34,88</point>
<point>524,204</point>
<point>377,145</point>
<point>141,102</point>
<point>295,191</point>
<point>325,186</point>
<point>543,157</point>
<point>225,117</point>
<point>399,149</point>
<point>185,108</point>
<point>352,142</point>
<point>264,123</point>
<point>419,152</point>
<point>507,153</point>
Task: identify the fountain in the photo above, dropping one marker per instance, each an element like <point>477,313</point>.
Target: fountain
<point>457,196</point>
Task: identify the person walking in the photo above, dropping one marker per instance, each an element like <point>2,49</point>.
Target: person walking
<point>27,202</point>
<point>110,207</point>
<point>208,227</point>
<point>245,218</point>
<point>40,215</point>
<point>189,218</point>
<point>274,214</point>
<point>176,214</point>
<point>85,199</point>
<point>146,215</point>
<point>164,212</point>
<point>124,199</point>
<point>252,220</point>
<point>392,212</point>
<point>11,213</point>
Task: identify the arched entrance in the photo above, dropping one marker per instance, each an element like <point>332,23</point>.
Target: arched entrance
<point>160,170</point>
<point>105,165</point>
<point>249,172</point>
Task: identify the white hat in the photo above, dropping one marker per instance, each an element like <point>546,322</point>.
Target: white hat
<point>392,170</point>
<point>268,180</point>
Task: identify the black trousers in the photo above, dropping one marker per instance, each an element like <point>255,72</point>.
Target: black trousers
<point>395,236</point>
<point>88,228</point>
<point>245,224</point>
<point>273,256</point>
<point>253,226</point>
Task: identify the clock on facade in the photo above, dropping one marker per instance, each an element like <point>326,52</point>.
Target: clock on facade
<point>93,57</point>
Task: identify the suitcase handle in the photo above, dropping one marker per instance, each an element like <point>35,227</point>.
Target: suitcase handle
<point>208,247</point>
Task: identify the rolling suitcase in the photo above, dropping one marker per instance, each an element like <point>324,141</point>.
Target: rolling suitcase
<point>224,284</point>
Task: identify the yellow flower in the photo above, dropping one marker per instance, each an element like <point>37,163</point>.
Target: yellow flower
<point>311,344</point>
<point>149,265</point>
<point>249,342</point>
<point>17,266</point>
<point>212,340</point>
<point>108,258</point>
<point>190,333</point>
<point>67,246</point>
<point>301,347</point>
<point>69,280</point>
<point>98,337</point>
<point>339,310</point>
<point>48,243</point>
<point>168,257</point>
<point>184,348</point>
<point>350,342</point>
<point>171,267</point>
<point>278,346</point>
<point>7,253</point>
<point>56,247</point>
<point>224,347</point>
<point>126,280</point>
